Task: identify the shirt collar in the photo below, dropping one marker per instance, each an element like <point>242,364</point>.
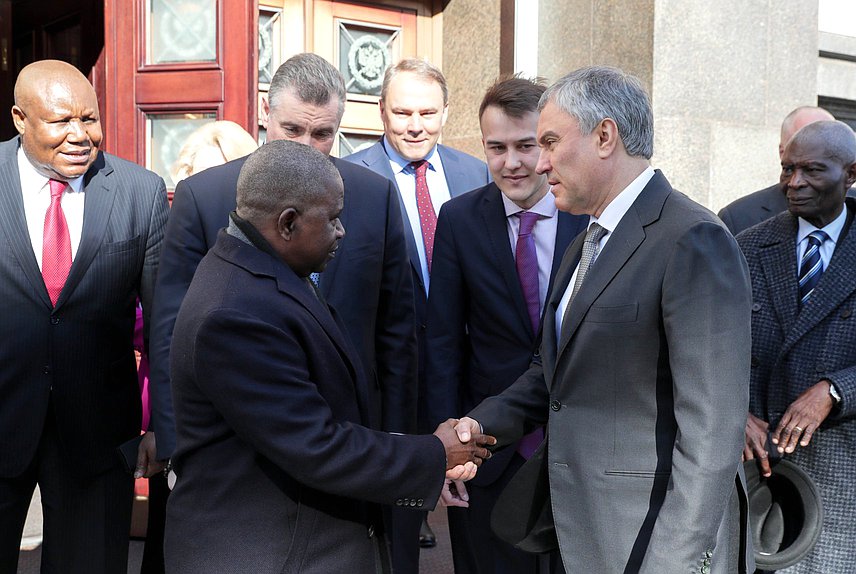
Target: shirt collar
<point>404,164</point>
<point>832,229</point>
<point>614,212</point>
<point>546,206</point>
<point>31,179</point>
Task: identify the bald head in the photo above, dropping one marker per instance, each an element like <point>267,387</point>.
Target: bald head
<point>56,115</point>
<point>797,120</point>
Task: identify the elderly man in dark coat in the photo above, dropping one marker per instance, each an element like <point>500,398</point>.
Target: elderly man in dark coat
<point>803,386</point>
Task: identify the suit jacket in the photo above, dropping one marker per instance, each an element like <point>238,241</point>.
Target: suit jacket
<point>463,173</point>
<point>77,357</point>
<point>792,349</point>
<point>479,336</point>
<point>643,396</point>
<point>754,208</point>
<point>276,466</point>
<point>368,283</point>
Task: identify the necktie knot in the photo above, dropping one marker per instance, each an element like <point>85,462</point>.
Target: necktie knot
<point>595,233</point>
<point>817,237</point>
<point>811,265</point>
<point>527,222</point>
<point>57,187</point>
<point>419,167</point>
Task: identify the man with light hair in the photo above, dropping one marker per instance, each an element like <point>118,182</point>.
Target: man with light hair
<point>761,205</point>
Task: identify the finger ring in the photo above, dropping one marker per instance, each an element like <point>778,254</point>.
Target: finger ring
<point>798,429</point>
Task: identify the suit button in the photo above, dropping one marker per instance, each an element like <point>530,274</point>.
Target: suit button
<point>555,405</point>
<point>54,320</point>
<point>398,502</point>
<point>420,502</point>
<point>412,502</point>
<point>845,313</point>
<point>371,531</point>
<point>423,326</point>
<point>536,354</point>
<point>46,369</point>
<point>820,368</point>
<point>756,307</point>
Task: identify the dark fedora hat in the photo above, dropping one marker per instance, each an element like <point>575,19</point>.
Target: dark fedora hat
<point>785,514</point>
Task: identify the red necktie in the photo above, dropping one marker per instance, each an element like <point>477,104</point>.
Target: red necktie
<point>427,217</point>
<point>56,247</point>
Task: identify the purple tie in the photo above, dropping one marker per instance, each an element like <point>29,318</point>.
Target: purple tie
<point>527,267</point>
<point>527,272</point>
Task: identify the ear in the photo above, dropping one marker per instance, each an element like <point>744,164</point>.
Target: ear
<point>851,175</point>
<point>18,118</point>
<point>286,225</point>
<point>265,112</point>
<point>381,107</point>
<point>607,137</point>
<point>445,114</point>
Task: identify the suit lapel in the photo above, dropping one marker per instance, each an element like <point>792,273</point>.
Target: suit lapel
<point>496,227</point>
<point>778,262</point>
<point>13,221</point>
<point>568,228</point>
<point>98,203</point>
<point>622,244</point>
<point>452,171</point>
<point>836,284</point>
<point>562,278</point>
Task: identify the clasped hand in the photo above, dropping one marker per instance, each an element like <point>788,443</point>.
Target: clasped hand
<point>465,447</point>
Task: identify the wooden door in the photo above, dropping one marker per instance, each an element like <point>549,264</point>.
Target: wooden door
<point>173,65</point>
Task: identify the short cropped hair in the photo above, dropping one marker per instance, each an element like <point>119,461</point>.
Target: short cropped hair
<point>283,174</point>
<point>595,93</point>
<point>514,95</point>
<point>423,69</point>
<point>312,78</point>
<point>838,139</point>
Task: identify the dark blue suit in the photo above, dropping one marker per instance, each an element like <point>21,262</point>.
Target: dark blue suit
<point>368,283</point>
<point>479,340</point>
<point>277,470</point>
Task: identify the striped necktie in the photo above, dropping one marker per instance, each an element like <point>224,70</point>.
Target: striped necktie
<point>811,265</point>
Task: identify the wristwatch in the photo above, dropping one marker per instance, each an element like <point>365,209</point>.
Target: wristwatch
<point>833,392</point>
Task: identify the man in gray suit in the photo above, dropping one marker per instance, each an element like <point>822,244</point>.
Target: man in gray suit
<point>643,366</point>
<point>803,385</point>
<point>761,205</point>
<point>414,104</point>
<point>80,238</point>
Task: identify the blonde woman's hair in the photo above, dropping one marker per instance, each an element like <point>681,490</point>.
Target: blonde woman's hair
<point>232,140</point>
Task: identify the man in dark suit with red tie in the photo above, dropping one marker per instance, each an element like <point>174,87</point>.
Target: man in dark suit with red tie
<point>495,254</point>
<point>80,238</point>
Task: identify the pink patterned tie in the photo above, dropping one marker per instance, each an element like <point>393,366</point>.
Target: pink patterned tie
<point>56,247</point>
<point>427,216</point>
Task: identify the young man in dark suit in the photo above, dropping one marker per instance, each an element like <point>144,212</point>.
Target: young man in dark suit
<point>80,235</point>
<point>280,464</point>
<point>414,105</point>
<point>642,373</point>
<point>369,283</point>
<point>803,386</point>
<point>496,251</point>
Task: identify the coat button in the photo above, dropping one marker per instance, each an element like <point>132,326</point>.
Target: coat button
<point>371,531</point>
<point>54,320</point>
<point>820,368</point>
<point>555,405</point>
<point>845,313</point>
<point>756,307</point>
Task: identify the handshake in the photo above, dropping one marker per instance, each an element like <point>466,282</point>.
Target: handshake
<point>465,447</point>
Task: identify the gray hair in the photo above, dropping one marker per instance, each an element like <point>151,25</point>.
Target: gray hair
<point>423,69</point>
<point>283,174</point>
<point>838,139</point>
<point>312,79</point>
<point>598,92</point>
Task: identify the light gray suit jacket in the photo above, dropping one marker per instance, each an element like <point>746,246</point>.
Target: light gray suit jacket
<point>644,397</point>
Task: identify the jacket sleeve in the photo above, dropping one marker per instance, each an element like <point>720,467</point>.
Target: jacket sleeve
<point>706,300</point>
<point>183,249</point>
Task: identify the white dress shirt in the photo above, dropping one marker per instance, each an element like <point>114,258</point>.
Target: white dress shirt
<point>37,199</point>
<point>405,177</point>
<point>609,220</point>
<point>544,233</point>
<point>833,230</point>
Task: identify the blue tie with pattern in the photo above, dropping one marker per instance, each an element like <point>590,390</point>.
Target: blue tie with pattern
<point>811,265</point>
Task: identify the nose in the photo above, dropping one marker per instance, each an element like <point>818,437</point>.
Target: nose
<point>305,138</point>
<point>543,165</point>
<point>795,179</point>
<point>340,229</point>
<point>512,159</point>
<point>414,123</point>
<point>76,131</point>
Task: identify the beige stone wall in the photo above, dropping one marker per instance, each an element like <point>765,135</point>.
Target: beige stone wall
<point>471,36</point>
<point>725,75</point>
